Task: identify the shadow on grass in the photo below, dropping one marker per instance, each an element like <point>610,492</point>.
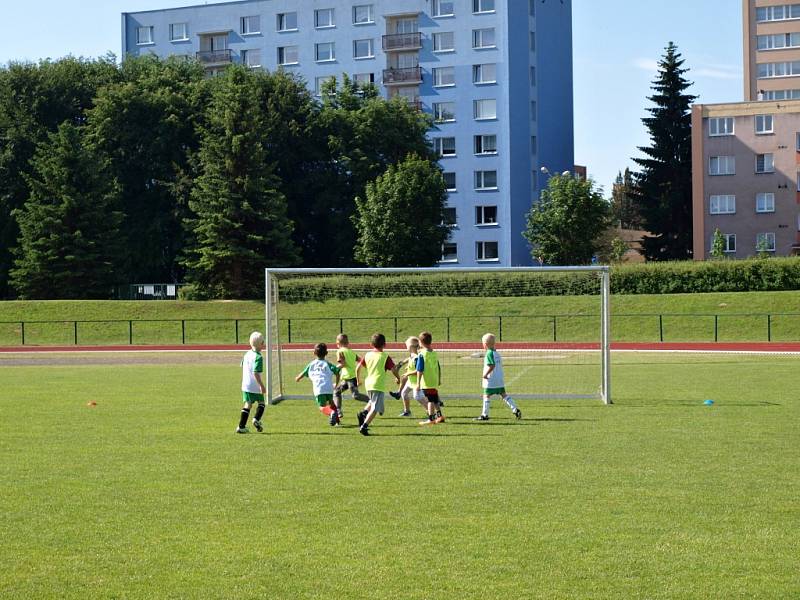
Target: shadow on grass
<point>379,432</point>
<point>693,403</point>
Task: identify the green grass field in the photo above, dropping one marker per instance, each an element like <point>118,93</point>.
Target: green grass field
<point>151,495</point>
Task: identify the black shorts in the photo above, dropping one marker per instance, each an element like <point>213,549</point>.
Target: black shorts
<point>351,384</point>
<point>432,396</point>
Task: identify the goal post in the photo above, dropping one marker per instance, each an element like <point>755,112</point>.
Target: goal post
<point>552,324</point>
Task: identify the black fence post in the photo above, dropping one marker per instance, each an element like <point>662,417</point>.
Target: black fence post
<point>661,328</point>
<point>716,328</point>
<point>341,325</point>
<point>22,331</point>
<point>236,331</point>
<point>130,333</point>
<point>555,332</point>
<point>395,329</point>
<point>500,327</point>
<point>289,329</point>
<point>75,332</point>
<point>183,331</point>
<point>448,329</point>
<point>769,328</point>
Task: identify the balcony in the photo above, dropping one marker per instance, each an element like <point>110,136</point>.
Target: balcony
<point>402,41</point>
<point>211,58</point>
<point>402,76</point>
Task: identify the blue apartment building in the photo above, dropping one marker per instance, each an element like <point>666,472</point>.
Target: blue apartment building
<point>495,74</point>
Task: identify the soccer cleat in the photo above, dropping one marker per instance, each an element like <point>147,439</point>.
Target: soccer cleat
<point>361,416</point>
<point>334,420</point>
<point>481,418</point>
<point>428,421</point>
<point>518,414</point>
<point>340,413</point>
<point>405,413</point>
<point>242,430</point>
<point>258,425</point>
<point>363,430</point>
<point>439,419</point>
<point>395,395</point>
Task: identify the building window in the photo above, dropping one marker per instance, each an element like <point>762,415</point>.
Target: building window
<point>363,49</point>
<point>485,215</point>
<point>533,76</point>
<point>443,8</point>
<point>444,76</point>
<point>482,6</point>
<point>483,38</point>
<point>765,202</point>
<point>449,181</point>
<point>777,41</point>
<point>364,78</point>
<point>485,109</point>
<point>287,21</point>
<point>444,146</point>
<point>533,41</point>
<point>485,180</point>
<point>486,251</point>
<point>320,82</point>
<point>144,35</point>
<point>763,124</point>
<point>722,205</point>
<point>765,242</point>
<point>534,145</point>
<point>729,241</point>
<point>444,42</point>
<point>485,144</point>
<point>325,52</point>
<point>250,25</point>
<point>363,14</point>
<point>778,69</point>
<point>450,216</point>
<point>449,253</point>
<point>722,165</point>
<point>533,110</point>
<point>778,13</point>
<point>486,73</point>
<point>251,58</point>
<point>444,112</point>
<point>289,55</point>
<point>765,163</point>
<point>324,17</point>
<point>781,95</point>
<point>720,126</point>
<point>178,32</point>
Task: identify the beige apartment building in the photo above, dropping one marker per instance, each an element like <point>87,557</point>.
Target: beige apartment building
<point>746,177</point>
<point>771,50</point>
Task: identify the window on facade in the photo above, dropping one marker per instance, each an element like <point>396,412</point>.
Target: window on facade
<point>178,32</point>
<point>533,110</point>
<point>722,205</point>
<point>485,215</point>
<point>363,14</point>
<point>363,49</point>
<point>251,58</point>
<point>765,242</point>
<point>779,40</point>
<point>450,181</point>
<point>444,112</point>
<point>765,202</point>
<point>486,251</point>
<point>778,13</point>
<point>287,21</point>
<point>483,38</point>
<point>450,218</point>
<point>250,25</point>
<point>325,51</point>
<point>443,8</point>
<point>486,73</point>
<point>144,35</point>
<point>324,17</point>
<point>722,165</point>
<point>444,42</point>
<point>729,242</point>
<point>720,126</point>
<point>485,144</point>
<point>778,69</point>
<point>482,6</point>
<point>485,109</point>
<point>763,124</point>
<point>449,252</point>
<point>533,41</point>
<point>289,55</point>
<point>765,163</point>
<point>781,95</point>
<point>320,82</point>
<point>533,76</point>
<point>444,76</point>
<point>485,180</point>
<point>445,146</point>
<point>364,78</point>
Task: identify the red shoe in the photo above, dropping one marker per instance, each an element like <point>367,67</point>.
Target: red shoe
<point>439,419</point>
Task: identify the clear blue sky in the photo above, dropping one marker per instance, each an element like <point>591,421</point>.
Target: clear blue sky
<point>616,46</point>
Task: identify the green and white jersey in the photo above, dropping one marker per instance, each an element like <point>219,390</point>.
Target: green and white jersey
<point>252,362</point>
<point>321,373</point>
<point>496,376</point>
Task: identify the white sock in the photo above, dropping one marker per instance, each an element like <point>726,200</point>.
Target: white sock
<point>510,401</point>
<point>485,412</point>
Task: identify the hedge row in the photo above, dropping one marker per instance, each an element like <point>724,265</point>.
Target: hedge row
<point>653,278</point>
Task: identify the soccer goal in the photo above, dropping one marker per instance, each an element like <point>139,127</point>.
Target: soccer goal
<point>551,324</point>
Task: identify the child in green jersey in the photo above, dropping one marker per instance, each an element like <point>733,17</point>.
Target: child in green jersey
<point>378,365</point>
<point>321,374</point>
<point>253,390</point>
<point>493,379</point>
<point>347,360</point>
<point>408,381</point>
<point>429,378</point>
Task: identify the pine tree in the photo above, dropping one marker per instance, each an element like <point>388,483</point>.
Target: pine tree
<point>69,242</point>
<point>239,223</point>
<point>624,211</point>
<point>663,189</point>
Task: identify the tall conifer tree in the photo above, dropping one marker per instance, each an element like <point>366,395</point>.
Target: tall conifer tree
<point>663,187</point>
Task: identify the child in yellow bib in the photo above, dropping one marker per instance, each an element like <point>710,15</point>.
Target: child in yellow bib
<point>429,378</point>
<point>378,366</point>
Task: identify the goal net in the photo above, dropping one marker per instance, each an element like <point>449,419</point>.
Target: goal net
<point>551,324</point>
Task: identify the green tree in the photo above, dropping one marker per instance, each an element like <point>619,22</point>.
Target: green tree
<point>69,242</point>
<point>663,189</point>
<point>566,225</point>
<point>618,249</point>
<point>400,221</point>
<point>239,223</point>
<point>624,211</point>
<point>718,245</point>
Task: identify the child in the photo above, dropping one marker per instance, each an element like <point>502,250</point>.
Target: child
<point>409,380</point>
<point>429,378</point>
<point>493,383</point>
<point>377,363</point>
<point>253,390</point>
<point>347,360</point>
<point>321,374</point>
